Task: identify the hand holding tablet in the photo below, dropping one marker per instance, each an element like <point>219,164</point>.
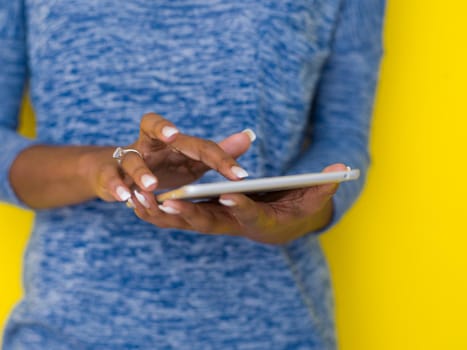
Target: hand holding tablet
<point>267,184</point>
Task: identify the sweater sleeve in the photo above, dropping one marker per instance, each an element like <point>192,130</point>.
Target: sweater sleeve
<point>13,68</point>
<point>342,107</point>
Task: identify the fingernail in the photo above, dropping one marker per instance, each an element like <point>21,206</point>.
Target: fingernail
<point>148,180</point>
<point>239,172</point>
<point>122,193</point>
<point>168,131</point>
<point>130,204</point>
<point>168,210</point>
<point>251,134</point>
<point>142,200</point>
<point>227,202</point>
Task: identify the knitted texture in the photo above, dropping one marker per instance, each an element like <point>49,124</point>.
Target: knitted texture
<point>300,73</point>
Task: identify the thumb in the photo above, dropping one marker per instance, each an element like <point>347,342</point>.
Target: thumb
<point>335,167</point>
<point>237,144</point>
<point>328,190</point>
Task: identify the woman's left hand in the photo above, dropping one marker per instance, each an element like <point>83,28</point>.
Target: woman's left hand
<point>275,218</point>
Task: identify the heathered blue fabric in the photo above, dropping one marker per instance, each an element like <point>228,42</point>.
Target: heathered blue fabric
<point>300,73</point>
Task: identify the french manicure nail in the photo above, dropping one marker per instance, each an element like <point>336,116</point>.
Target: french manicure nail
<point>142,200</point>
<point>168,131</point>
<point>227,202</point>
<point>251,134</point>
<point>239,172</point>
<point>148,180</point>
<point>168,210</point>
<point>122,193</point>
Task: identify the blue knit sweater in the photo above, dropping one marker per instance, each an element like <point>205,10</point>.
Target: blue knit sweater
<point>300,73</point>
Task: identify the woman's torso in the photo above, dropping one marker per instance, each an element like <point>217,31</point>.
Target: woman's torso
<point>98,277</point>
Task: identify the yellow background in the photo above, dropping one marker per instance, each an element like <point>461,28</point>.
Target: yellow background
<point>399,258</point>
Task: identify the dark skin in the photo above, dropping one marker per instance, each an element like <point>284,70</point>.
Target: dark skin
<point>47,177</point>
<point>276,218</point>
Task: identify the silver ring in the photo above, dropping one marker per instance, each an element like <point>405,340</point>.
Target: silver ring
<point>120,152</point>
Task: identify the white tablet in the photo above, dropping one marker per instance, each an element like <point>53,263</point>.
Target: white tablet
<point>266,184</point>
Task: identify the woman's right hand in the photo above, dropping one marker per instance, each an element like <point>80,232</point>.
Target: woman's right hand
<point>45,176</point>
<point>169,159</point>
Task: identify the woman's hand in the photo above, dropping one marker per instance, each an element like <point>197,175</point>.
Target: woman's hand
<point>169,159</point>
<point>275,218</point>
<point>45,176</point>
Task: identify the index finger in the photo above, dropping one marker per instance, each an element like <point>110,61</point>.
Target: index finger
<point>205,151</point>
<point>211,154</point>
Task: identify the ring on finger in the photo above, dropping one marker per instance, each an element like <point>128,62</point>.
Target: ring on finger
<point>120,152</point>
